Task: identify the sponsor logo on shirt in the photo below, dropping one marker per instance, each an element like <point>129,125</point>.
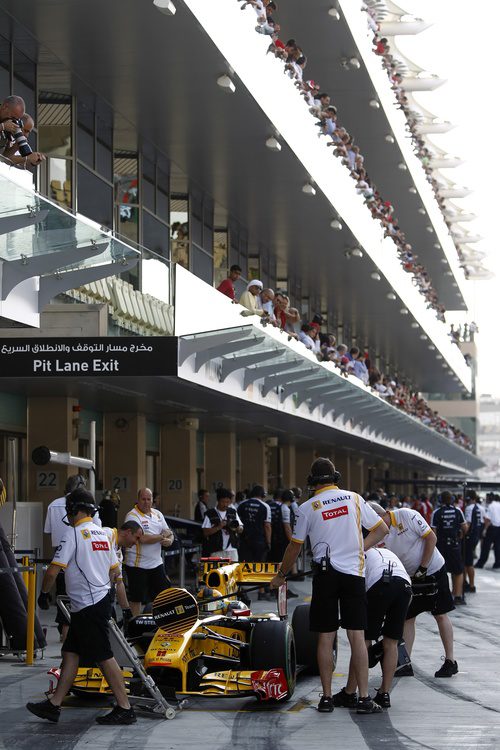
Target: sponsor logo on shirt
<point>100,546</point>
<point>335,513</point>
<point>317,504</point>
<point>85,533</point>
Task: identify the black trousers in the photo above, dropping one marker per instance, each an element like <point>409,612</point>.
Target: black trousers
<point>491,539</point>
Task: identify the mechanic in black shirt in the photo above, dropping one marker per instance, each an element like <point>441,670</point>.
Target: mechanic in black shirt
<point>450,526</point>
<point>255,516</point>
<point>474,518</point>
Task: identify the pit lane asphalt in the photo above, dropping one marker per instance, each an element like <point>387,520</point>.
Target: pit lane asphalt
<point>462,713</point>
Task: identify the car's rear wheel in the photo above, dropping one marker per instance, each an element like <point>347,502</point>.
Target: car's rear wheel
<point>272,645</point>
<point>306,641</point>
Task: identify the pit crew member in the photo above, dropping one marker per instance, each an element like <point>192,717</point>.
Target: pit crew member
<point>333,520</point>
<point>91,566</point>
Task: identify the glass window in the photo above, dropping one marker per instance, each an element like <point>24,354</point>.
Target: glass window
<point>95,197</point>
<point>162,197</point>
<point>60,181</point>
<point>4,66</point>
<point>54,126</point>
<point>148,184</point>
<point>203,265</point>
<point>179,229</point>
<point>25,80</point>
<point>103,148</point>
<point>154,234</point>
<point>254,267</point>
<point>220,256</point>
<point>126,195</point>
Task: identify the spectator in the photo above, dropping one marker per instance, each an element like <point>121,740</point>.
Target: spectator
<point>221,528</point>
<point>265,302</point>
<point>201,506</point>
<point>249,298</point>
<point>255,516</point>
<point>227,286</point>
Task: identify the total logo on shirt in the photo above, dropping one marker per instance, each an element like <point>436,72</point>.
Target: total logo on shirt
<point>100,546</point>
<point>328,515</point>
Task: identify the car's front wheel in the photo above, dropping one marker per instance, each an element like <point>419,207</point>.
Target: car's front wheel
<point>272,645</point>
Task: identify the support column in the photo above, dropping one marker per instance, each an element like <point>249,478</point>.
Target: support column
<point>50,423</point>
<point>179,479</point>
<point>220,460</point>
<point>304,456</point>
<point>253,469</point>
<point>125,457</point>
<point>288,464</point>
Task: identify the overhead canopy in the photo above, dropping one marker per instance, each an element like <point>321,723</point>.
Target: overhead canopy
<point>41,240</point>
<point>254,363</point>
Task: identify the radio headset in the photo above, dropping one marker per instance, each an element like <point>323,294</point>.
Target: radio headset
<point>80,499</point>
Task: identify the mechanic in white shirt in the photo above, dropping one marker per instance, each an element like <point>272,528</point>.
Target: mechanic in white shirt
<point>91,566</point>
<point>128,535</point>
<point>221,528</point>
<point>56,525</point>
<point>413,541</point>
<point>146,576</point>
<point>333,521</point>
<point>388,595</point>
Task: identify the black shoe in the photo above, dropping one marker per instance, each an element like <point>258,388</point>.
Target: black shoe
<point>448,669</point>
<point>479,565</point>
<point>383,699</point>
<point>472,589</point>
<point>325,705</point>
<point>405,671</point>
<point>466,587</point>
<point>118,716</point>
<point>265,597</point>
<point>345,700</point>
<point>291,594</point>
<point>459,600</point>
<point>367,706</point>
<point>495,567</point>
<point>45,710</point>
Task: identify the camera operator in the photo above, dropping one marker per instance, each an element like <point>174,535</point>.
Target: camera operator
<point>333,520</point>
<point>91,566</point>
<point>15,127</point>
<point>221,528</point>
<point>414,542</point>
<point>388,595</point>
<point>450,526</point>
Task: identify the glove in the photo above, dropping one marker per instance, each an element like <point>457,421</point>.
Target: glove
<point>420,573</point>
<point>44,600</point>
<point>127,616</point>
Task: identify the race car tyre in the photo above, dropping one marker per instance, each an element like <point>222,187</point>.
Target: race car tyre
<point>306,641</point>
<point>272,645</point>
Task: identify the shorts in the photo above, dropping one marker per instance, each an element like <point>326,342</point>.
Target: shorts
<point>144,584</point>
<point>252,550</point>
<point>88,634</point>
<point>452,554</point>
<point>387,607</point>
<point>437,604</point>
<point>331,589</point>
<point>470,549</point>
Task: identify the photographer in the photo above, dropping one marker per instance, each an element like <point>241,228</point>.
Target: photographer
<point>15,127</point>
<point>221,528</point>
<point>91,567</point>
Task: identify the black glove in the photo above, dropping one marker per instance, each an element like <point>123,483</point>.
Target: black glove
<point>420,573</point>
<point>44,600</point>
<point>127,616</point>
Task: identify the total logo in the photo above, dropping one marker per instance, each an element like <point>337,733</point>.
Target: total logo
<point>328,515</point>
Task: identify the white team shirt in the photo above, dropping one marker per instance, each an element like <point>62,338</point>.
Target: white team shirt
<point>332,519</point>
<point>378,559</point>
<point>112,535</point>
<point>492,513</point>
<point>87,557</point>
<point>225,534</point>
<point>146,556</point>
<point>285,513</point>
<point>406,536</point>
<point>54,524</point>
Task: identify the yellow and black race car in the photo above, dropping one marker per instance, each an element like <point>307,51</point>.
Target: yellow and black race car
<point>212,644</point>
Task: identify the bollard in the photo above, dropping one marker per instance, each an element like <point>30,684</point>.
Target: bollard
<point>25,561</point>
<point>30,628</point>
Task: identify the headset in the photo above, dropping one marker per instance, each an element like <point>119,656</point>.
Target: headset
<point>314,479</point>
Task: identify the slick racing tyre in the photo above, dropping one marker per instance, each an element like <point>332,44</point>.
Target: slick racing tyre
<point>306,641</point>
<point>272,645</point>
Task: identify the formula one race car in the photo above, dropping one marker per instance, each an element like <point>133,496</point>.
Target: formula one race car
<point>212,645</point>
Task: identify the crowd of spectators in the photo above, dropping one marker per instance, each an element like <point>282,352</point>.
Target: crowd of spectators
<point>273,308</point>
<point>463,335</point>
<point>342,142</point>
